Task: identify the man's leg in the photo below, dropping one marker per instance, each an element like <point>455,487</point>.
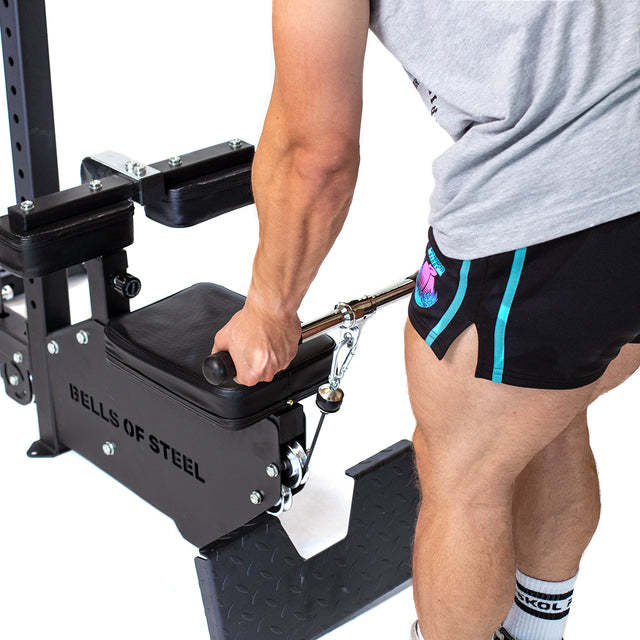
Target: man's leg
<point>557,506</point>
<point>473,440</point>
<point>557,500</point>
<point>556,511</point>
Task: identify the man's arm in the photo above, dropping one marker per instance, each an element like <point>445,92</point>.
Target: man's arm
<point>304,174</point>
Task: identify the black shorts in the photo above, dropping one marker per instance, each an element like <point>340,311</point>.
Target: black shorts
<point>549,316</point>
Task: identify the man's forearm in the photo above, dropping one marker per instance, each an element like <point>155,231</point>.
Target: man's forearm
<point>302,193</point>
<point>304,174</point>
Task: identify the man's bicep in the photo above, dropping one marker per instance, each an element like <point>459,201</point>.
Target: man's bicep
<point>319,50</point>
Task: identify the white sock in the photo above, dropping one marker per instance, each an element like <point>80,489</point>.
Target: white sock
<point>540,609</point>
<point>418,630</point>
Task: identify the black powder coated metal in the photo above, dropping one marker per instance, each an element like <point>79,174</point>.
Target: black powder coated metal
<point>48,310</point>
<point>193,165</point>
<point>27,74</point>
<point>17,284</point>
<point>61,205</point>
<point>256,586</point>
<point>13,340</point>
<point>33,143</point>
<point>181,461</point>
<point>106,302</point>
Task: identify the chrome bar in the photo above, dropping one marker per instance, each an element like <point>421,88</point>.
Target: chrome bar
<point>357,310</point>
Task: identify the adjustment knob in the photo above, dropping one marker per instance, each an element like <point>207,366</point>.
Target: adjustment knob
<point>127,285</point>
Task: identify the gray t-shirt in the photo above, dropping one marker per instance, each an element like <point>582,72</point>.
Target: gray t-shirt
<point>542,100</point>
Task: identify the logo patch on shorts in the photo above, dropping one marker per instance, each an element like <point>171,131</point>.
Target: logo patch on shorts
<point>425,292</point>
<point>435,263</point>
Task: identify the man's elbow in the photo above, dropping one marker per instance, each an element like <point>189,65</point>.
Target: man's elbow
<point>328,164</point>
<point>320,169</point>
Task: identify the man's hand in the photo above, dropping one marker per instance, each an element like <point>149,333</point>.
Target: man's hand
<point>260,342</point>
<point>304,173</point>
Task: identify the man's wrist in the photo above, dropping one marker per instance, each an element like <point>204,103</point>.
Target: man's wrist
<point>271,302</point>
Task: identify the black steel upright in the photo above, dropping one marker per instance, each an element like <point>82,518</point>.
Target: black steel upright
<point>33,143</point>
<point>29,99</point>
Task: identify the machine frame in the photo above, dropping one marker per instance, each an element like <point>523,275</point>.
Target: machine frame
<point>183,472</point>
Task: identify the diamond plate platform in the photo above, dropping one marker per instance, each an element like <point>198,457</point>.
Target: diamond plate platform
<point>256,586</point>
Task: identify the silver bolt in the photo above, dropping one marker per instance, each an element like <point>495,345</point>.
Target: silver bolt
<point>27,205</point>
<point>95,185</point>
<point>273,471</point>
<point>236,143</point>
<point>82,337</point>
<point>255,497</point>
<point>176,161</point>
<point>136,168</point>
<point>108,448</point>
<point>53,347</point>
<point>18,358</point>
<point>7,293</point>
<point>14,381</point>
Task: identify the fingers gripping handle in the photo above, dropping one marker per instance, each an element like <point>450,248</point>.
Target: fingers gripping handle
<point>218,368</point>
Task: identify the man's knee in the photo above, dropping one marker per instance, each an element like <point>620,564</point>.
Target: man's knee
<point>474,435</point>
<point>462,474</point>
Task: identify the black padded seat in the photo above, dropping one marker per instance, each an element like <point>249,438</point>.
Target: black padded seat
<point>165,343</point>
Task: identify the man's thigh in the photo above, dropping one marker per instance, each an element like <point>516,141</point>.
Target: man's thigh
<point>472,426</point>
<point>620,369</point>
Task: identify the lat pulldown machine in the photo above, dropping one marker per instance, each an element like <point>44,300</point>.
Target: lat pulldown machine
<point>129,390</point>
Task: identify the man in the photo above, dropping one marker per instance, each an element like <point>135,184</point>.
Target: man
<point>528,304</point>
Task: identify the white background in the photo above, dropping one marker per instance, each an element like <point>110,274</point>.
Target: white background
<point>80,555</point>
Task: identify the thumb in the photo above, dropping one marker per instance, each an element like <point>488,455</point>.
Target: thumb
<point>220,342</point>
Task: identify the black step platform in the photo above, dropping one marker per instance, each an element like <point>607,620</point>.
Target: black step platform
<point>255,585</point>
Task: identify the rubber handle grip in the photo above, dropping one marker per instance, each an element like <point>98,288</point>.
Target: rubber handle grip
<point>218,368</point>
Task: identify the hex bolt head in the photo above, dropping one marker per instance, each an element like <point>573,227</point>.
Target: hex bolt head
<point>175,161</point>
<point>236,143</point>
<point>82,337</point>
<point>53,347</point>
<point>273,471</point>
<point>95,185</point>
<point>27,205</point>
<point>255,497</point>
<point>109,449</point>
<point>14,381</point>
<point>18,358</point>
<point>135,168</point>
<point>7,293</point>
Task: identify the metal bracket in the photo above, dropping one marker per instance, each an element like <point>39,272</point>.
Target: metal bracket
<point>148,182</point>
<point>15,360</point>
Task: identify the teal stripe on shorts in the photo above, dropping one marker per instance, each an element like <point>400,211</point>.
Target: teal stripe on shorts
<point>503,314</point>
<point>454,306</point>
